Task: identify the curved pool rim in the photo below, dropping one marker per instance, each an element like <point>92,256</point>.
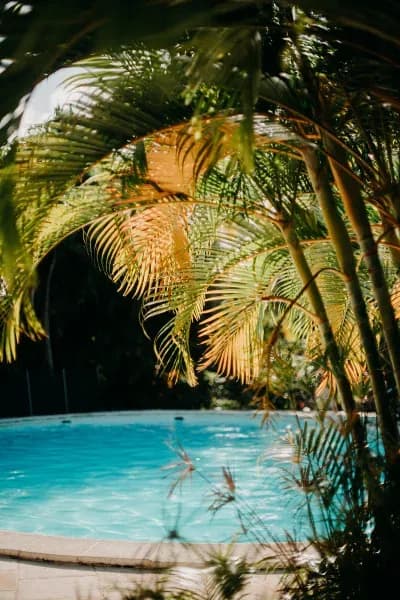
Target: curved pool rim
<point>171,411</point>
<point>143,556</point>
<point>303,414</point>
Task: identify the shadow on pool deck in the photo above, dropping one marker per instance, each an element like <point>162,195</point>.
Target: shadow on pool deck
<point>25,580</point>
<point>39,567</point>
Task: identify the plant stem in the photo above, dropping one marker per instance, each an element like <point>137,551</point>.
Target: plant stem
<point>353,202</point>
<point>345,256</point>
<point>330,346</point>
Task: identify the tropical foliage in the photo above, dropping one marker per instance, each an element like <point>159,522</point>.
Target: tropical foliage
<point>30,48</point>
<point>242,181</point>
<point>344,559</point>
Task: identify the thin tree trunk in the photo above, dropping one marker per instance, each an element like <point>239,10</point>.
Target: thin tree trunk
<point>328,339</point>
<point>46,319</point>
<point>356,211</point>
<point>344,252</point>
<point>390,237</point>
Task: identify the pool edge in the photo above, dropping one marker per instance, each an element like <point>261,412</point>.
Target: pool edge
<point>140,555</point>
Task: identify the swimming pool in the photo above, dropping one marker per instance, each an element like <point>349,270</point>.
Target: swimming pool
<point>105,476</point>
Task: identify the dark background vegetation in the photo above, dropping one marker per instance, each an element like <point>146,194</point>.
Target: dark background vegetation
<point>96,357</point>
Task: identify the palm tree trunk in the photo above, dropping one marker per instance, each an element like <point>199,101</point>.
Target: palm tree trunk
<point>390,237</point>
<point>328,339</point>
<point>344,252</point>
<point>356,211</point>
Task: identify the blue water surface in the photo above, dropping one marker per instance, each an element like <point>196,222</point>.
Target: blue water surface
<point>111,476</point>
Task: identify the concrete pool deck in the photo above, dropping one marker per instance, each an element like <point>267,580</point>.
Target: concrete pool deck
<point>39,567</point>
<point>26,580</point>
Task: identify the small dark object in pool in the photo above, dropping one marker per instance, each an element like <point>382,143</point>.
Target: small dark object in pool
<point>65,421</point>
<point>178,418</point>
<point>173,534</point>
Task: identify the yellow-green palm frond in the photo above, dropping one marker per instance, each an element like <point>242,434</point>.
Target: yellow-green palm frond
<point>40,230</point>
<point>232,328</point>
<point>237,278</point>
<point>123,99</point>
<point>146,253</point>
<point>279,186</point>
<point>254,289</point>
<point>173,256</point>
<point>94,155</point>
<point>237,75</point>
<point>17,315</point>
<point>210,139</point>
<point>141,249</point>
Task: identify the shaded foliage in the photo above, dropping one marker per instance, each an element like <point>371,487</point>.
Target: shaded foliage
<point>94,335</point>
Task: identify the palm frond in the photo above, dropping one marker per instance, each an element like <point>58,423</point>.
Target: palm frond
<point>40,232</point>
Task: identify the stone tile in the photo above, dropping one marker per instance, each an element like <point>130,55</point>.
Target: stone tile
<point>47,581</point>
<point>60,588</point>
<point>112,576</point>
<point>7,564</point>
<point>6,595</point>
<point>112,581</point>
<point>263,587</point>
<point>8,580</point>
<point>32,570</point>
<point>188,578</point>
<point>114,595</point>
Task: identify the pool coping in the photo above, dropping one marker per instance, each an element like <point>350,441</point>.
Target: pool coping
<point>139,555</point>
<point>60,417</point>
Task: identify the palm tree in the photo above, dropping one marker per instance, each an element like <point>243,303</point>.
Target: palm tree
<point>218,261</point>
<point>96,140</point>
<point>307,103</point>
<point>254,44</point>
<point>280,183</point>
<point>226,260</point>
<point>59,151</point>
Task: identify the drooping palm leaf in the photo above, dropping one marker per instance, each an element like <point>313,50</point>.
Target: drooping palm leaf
<point>40,37</point>
<point>41,232</point>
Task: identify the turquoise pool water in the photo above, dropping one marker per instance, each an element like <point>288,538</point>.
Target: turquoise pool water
<point>105,476</point>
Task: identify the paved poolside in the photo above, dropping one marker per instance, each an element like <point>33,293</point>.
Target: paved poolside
<point>38,567</point>
<point>26,580</point>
